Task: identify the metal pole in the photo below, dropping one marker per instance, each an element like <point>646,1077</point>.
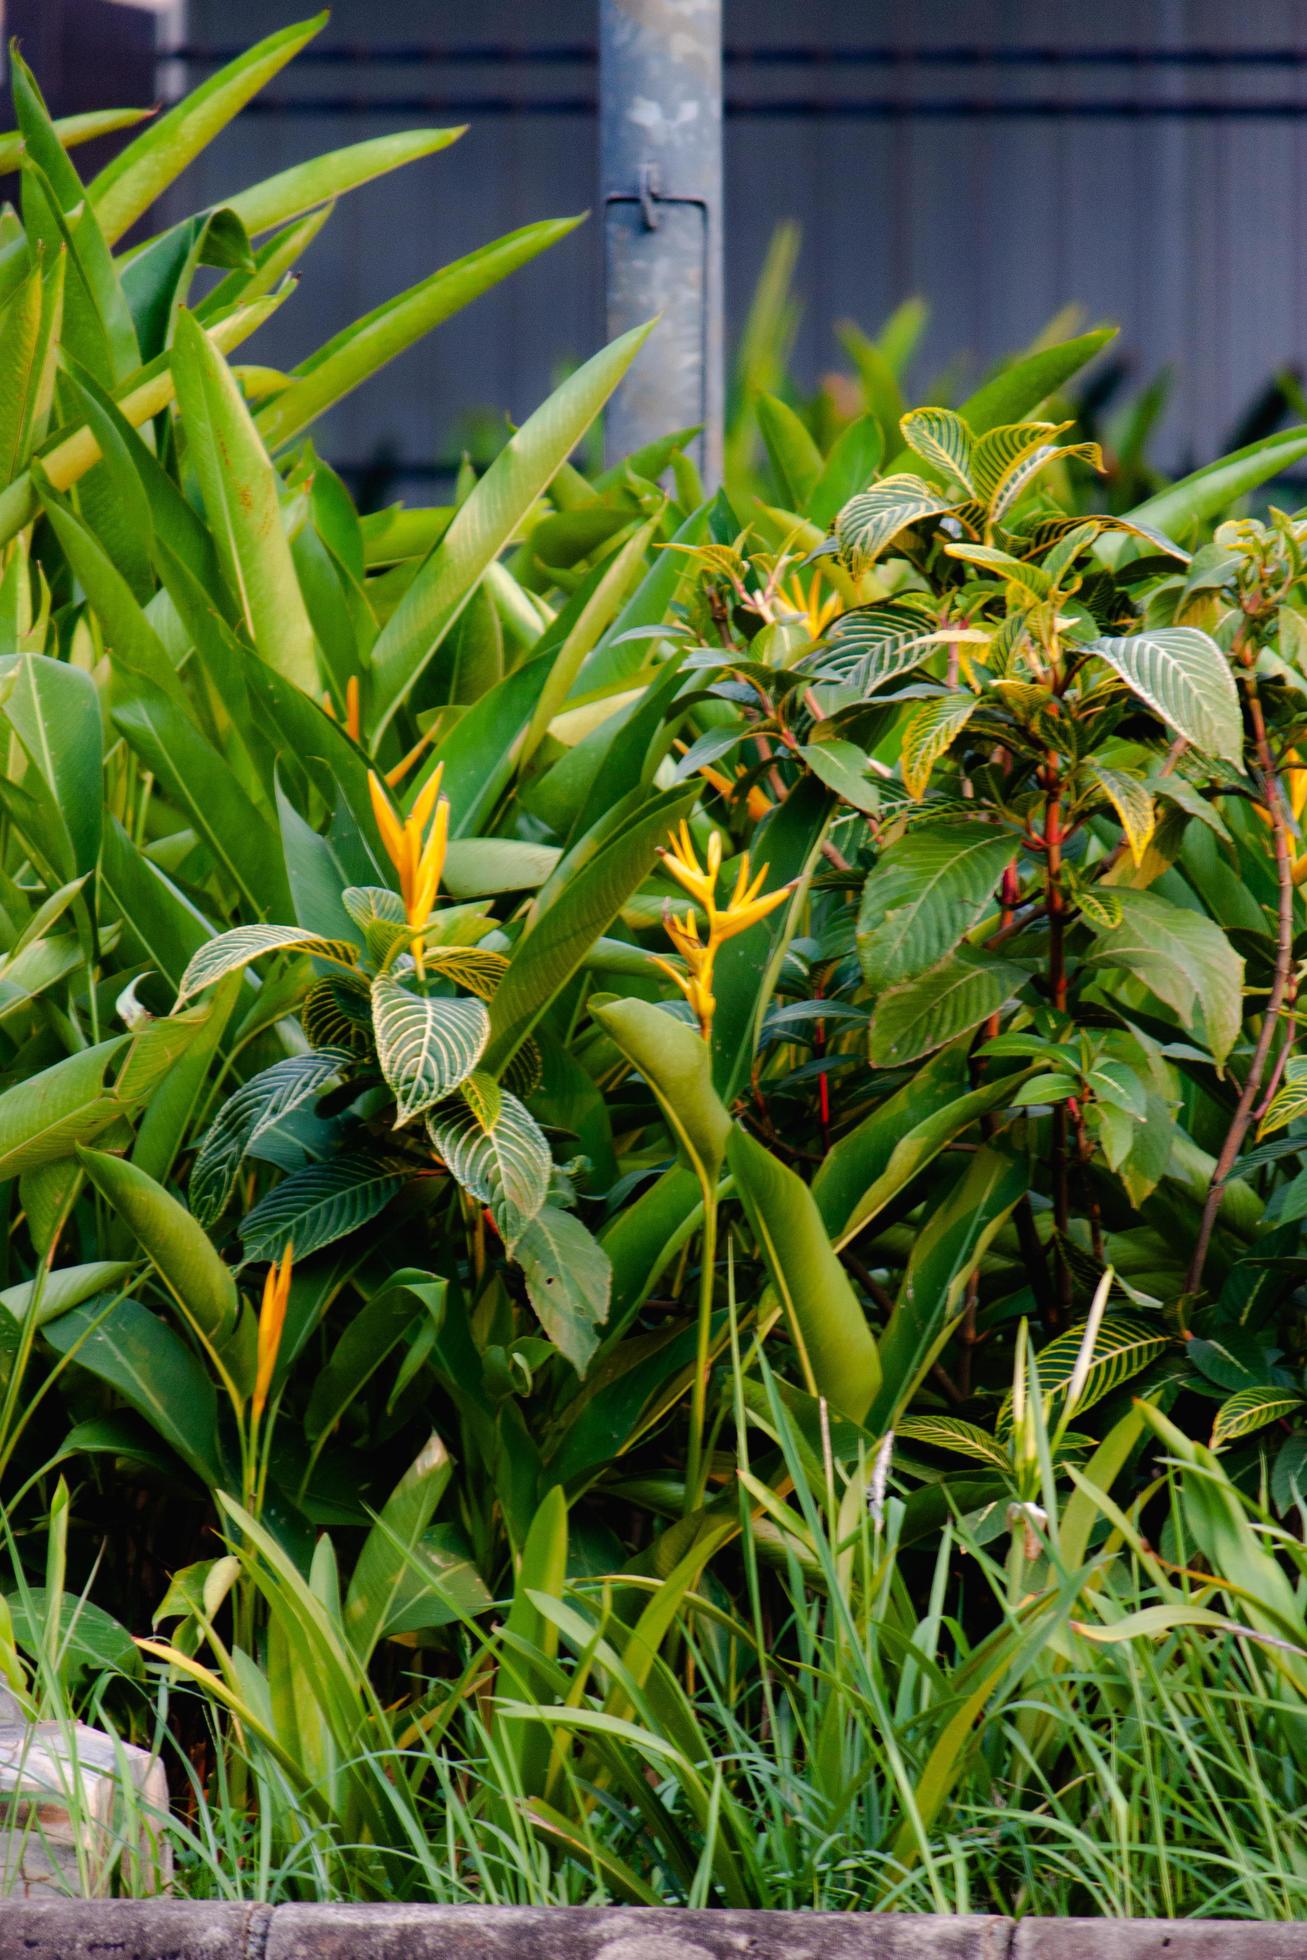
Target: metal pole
<point>660,136</point>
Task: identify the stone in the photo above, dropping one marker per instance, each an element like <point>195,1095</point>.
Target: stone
<point>1157,1939</point>
<point>584,1933</point>
<point>129,1929</point>
<point>67,1823</point>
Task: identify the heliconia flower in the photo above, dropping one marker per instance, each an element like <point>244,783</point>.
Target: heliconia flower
<point>744,909</point>
<point>416,846</point>
<point>272,1320</point>
<point>807,599</point>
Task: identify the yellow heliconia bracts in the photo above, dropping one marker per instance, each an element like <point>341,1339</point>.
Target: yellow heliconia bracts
<point>747,904</point>
<point>272,1320</point>
<point>353,709</point>
<point>416,847</point>
<point>807,600</point>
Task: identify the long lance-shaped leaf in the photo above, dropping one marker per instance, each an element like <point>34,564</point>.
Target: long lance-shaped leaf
<point>177,1244</point>
<point>365,346</point>
<point>69,455</point>
<point>72,130</point>
<point>242,496</point>
<point>1022,385</point>
<point>129,185</point>
<point>292,192</point>
<point>827,1323</point>
<point>233,950</point>
<point>488,520</point>
<point>1209,490</point>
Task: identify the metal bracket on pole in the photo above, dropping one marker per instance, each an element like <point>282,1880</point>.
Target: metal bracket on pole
<point>661,183</point>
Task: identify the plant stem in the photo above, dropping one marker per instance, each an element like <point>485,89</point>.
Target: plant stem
<point>694,1468</point>
<point>1055,899</point>
<point>1244,1108</point>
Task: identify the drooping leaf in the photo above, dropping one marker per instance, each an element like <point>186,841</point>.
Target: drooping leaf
<point>1132,800</point>
<point>1252,1409</point>
<point>871,520</point>
<point>496,1150</point>
<point>177,1245</point>
<point>569,1280</point>
<point>928,734</point>
<point>318,1204</point>
<point>235,949</point>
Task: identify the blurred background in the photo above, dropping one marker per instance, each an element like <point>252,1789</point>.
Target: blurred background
<point>1143,161</point>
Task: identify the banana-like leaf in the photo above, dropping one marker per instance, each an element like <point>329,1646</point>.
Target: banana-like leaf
<point>676,1062</point>
<point>176,1243</point>
<point>151,1366</point>
<point>392,1546</point>
<point>55,1293</point>
<point>280,199</point>
<point>486,522</point>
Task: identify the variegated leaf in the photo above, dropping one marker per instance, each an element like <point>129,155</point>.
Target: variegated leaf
<point>1133,803</point>
<point>496,1150</point>
<point>319,1204</point>
<point>474,967</point>
<point>1252,1409</point>
<point>942,438</point>
<point>1125,1344</point>
<point>426,1047</point>
<point>998,451</point>
<point>1184,677</point>
<point>257,1106</point>
<point>338,1014</point>
<point>1024,471</point>
<point>1101,906</point>
<point>870,520</point>
<point>952,1433</point>
<point>928,733</point>
<point>875,644</point>
<point>232,950</point>
<point>379,916</point>
<point>1290,1100</point>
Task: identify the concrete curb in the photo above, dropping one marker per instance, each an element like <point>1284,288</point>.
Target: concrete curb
<point>172,1929</point>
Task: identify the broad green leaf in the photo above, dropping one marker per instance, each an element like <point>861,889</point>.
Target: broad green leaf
<point>439,1586</point>
<point>1184,957</point>
<point>928,733</point>
<point>54,1293</point>
<point>859,1158</point>
<point>926,892</point>
<point>242,497</point>
<point>568,1279</point>
<point>485,523</point>
<point>1210,490</point>
<point>1185,678</point>
<point>493,1147</point>
<point>954,997</point>
<point>318,1204</point>
<point>149,1364</point>
<point>794,455</point>
<point>849,468</point>
<point>375,1332</point>
<point>676,1062</point>
<point>384,1566</point>
<point>177,1244</point>
<point>55,712</point>
<point>1252,1409</point>
<point>43,1117</point>
<point>257,1106</point>
<point>837,1351</point>
<point>128,186</point>
<point>235,949</point>
<point>948,1248</point>
<point>362,348</point>
<point>871,520</point>
<point>426,1045</point>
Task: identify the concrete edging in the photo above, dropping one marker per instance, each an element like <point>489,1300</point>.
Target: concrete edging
<point>172,1929</point>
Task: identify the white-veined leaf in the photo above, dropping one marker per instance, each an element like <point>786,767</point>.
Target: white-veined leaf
<point>314,1206</point>
<point>257,1106</point>
<point>426,1047</point>
<point>1251,1409</point>
<point>942,438</point>
<point>231,950</point>
<point>1124,1346</point>
<point>874,644</point>
<point>928,732</point>
<point>496,1150</point>
<point>870,520</point>
<point>1185,678</point>
<point>952,1433</point>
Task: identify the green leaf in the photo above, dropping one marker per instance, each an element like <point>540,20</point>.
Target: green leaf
<point>837,1350</point>
<point>22,362</point>
<point>149,1364</point>
<point>1185,678</point>
<point>921,1014</point>
<point>850,467</point>
<point>130,184</point>
<point>72,130</point>
<point>1290,1100</point>
<point>494,1148</point>
<point>569,1281</point>
<point>85,1637</point>
<point>277,200</point>
<point>871,520</point>
<point>1125,1344</point>
<point>941,437</point>
<point>235,949</point>
<point>948,1248</point>
<point>1251,1409</point>
<point>794,455</point>
<point>1023,384</point>
<point>383,1573</point>
<point>928,733</point>
<point>375,1332</point>
<point>926,892</point>
<point>43,1117</point>
<point>486,522</point>
<point>242,497</point>
<point>257,1107</point>
<point>365,346</point>
<point>952,1433</point>
<point>1210,490</point>
<point>316,1205</point>
<point>875,644</point>
<point>1184,957</point>
<point>178,1247</point>
<point>55,711</point>
<point>54,1293</point>
<point>676,1062</point>
<point>1132,800</point>
<point>426,1047</point>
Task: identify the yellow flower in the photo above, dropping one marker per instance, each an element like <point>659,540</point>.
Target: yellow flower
<point>416,847</point>
<point>744,909</point>
<point>272,1319</point>
<point>807,600</point>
